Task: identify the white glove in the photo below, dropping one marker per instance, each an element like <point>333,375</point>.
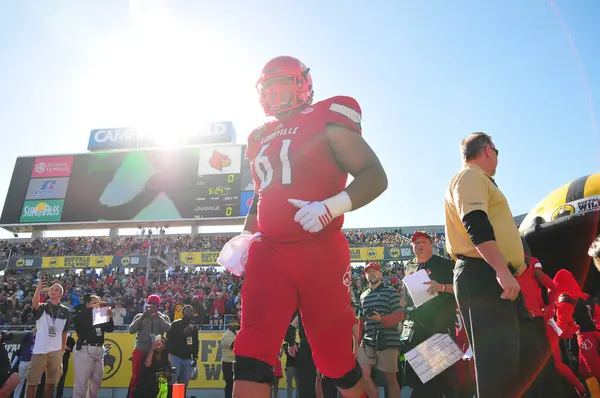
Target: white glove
<point>314,216</point>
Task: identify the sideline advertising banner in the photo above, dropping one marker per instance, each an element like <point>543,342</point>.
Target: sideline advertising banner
<point>118,348</point>
<point>78,262</point>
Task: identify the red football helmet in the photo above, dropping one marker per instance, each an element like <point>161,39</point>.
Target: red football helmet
<point>285,83</point>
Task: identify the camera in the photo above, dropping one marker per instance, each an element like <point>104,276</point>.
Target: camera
<point>369,312</point>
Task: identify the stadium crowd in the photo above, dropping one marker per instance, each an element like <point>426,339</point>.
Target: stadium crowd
<point>215,295</point>
<point>162,244</point>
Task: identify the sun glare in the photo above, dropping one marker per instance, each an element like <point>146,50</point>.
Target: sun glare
<point>168,77</point>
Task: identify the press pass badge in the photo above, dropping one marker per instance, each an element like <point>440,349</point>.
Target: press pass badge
<point>189,340</point>
<point>407,331</point>
<point>51,331</point>
<point>98,332</point>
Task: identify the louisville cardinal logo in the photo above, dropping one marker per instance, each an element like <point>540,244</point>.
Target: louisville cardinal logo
<point>219,160</point>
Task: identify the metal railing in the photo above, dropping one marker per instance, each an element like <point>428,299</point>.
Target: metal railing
<point>206,327</point>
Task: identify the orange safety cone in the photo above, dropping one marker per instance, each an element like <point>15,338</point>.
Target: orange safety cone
<point>593,386</point>
<point>178,391</point>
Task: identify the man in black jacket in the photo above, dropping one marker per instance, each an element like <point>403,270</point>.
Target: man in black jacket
<point>89,352</point>
<point>183,346</point>
<point>435,316</point>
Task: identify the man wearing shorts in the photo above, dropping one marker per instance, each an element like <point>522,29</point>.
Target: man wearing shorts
<point>380,314</point>
<point>52,322</point>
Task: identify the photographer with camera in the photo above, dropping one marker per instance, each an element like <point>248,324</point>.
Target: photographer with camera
<point>156,371</point>
<point>183,346</point>
<point>88,357</point>
<point>52,323</point>
<point>380,313</point>
<point>147,325</point>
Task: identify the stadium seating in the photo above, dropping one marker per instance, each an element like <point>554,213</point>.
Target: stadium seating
<point>217,292</point>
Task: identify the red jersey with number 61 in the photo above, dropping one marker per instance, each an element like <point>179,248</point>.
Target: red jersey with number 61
<point>292,159</point>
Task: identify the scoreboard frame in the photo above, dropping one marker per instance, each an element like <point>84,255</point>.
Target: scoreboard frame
<point>102,224</point>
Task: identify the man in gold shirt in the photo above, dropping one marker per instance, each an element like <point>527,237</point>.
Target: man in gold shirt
<point>482,237</point>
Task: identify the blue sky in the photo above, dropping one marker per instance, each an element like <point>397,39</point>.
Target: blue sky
<point>426,74</point>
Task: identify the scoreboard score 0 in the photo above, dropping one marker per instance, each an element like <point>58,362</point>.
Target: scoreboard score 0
<point>138,185</point>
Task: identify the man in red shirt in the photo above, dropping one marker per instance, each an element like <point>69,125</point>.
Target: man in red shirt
<point>300,164</point>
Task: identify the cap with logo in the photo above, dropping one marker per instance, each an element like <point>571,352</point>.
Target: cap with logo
<point>373,265</point>
<point>420,234</point>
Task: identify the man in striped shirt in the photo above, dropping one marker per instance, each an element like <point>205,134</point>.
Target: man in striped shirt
<point>380,314</point>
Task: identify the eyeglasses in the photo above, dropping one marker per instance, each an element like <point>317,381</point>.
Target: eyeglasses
<point>495,150</point>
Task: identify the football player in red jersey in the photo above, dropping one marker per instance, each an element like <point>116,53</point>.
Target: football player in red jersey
<point>300,165</point>
<point>574,314</point>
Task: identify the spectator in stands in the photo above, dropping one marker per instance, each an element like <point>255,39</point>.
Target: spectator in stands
<point>119,314</point>
<point>183,346</point>
<point>53,321</point>
<point>147,326</point>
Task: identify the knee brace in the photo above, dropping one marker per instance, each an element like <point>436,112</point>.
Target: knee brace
<point>251,369</point>
<point>348,380</point>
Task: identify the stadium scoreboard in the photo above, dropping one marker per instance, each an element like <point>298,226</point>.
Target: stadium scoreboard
<point>186,183</point>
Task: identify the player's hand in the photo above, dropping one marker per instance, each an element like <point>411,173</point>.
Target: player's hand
<point>375,317</point>
<point>549,311</point>
<point>313,216</point>
<point>509,284</point>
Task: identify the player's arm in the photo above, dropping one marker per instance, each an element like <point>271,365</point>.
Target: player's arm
<point>564,315</point>
<point>356,157</point>
<point>251,223</point>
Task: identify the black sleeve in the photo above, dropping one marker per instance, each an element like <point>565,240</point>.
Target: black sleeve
<point>478,227</point>
<point>195,344</point>
<point>109,326</point>
<point>70,342</point>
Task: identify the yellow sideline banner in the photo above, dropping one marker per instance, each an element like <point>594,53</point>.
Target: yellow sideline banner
<point>366,253</point>
<point>117,366</point>
<point>357,254</point>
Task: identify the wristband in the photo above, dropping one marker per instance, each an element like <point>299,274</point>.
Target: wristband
<point>339,204</point>
<point>443,288</point>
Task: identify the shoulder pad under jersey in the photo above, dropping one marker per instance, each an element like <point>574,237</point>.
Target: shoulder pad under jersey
<point>344,111</point>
